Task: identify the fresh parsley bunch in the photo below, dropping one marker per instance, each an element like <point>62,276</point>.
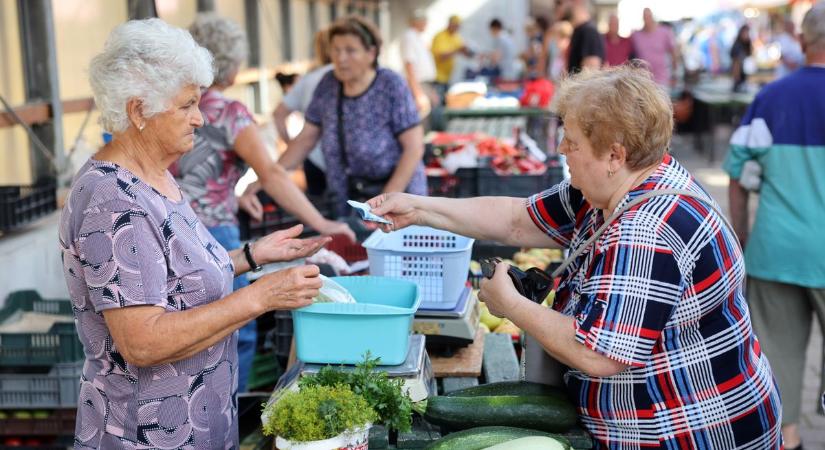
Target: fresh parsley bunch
<point>385,395</point>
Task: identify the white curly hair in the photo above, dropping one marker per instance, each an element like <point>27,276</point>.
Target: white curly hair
<point>225,39</point>
<point>149,60</point>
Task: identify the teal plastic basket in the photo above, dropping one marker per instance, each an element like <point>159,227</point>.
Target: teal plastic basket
<point>379,322</point>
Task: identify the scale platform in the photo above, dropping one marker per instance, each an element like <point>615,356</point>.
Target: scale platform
<point>452,329</point>
<point>416,371</point>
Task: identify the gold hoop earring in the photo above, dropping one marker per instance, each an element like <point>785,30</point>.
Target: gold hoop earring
<point>141,127</point>
<point>609,173</point>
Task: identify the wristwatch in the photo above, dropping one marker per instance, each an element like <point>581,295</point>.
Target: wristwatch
<point>247,251</point>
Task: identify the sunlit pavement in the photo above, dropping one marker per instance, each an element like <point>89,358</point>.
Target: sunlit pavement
<point>715,181</point>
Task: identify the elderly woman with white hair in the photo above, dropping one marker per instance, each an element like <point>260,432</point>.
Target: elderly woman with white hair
<point>650,315</point>
<point>151,288</point>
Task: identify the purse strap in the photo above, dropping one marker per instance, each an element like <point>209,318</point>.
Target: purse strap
<point>642,198</point>
<point>342,141</point>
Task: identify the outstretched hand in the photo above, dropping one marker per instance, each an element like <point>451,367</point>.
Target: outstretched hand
<point>398,208</point>
<point>284,245</point>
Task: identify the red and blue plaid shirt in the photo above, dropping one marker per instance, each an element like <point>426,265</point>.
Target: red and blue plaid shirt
<point>662,292</point>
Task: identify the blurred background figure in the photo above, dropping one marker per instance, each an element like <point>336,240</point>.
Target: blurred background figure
<point>286,81</point>
<point>656,46</point>
<point>419,67</point>
<point>297,100</point>
<point>741,49</point>
<point>447,44</point>
<point>617,49</point>
<point>586,49</point>
<point>365,119</point>
<point>535,55</point>
<point>558,43</point>
<point>790,50</point>
<point>501,62</point>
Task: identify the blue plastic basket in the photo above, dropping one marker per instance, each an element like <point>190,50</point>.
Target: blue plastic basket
<point>437,261</point>
<point>341,333</point>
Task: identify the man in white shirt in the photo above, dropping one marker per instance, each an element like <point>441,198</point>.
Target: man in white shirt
<point>419,66</point>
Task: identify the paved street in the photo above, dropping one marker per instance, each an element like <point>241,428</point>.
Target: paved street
<point>716,182</point>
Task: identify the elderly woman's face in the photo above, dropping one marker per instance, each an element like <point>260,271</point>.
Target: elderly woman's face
<point>588,171</point>
<point>175,127</point>
<point>350,59</point>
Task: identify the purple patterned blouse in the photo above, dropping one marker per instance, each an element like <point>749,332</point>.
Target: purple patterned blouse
<point>124,244</point>
<point>372,123</point>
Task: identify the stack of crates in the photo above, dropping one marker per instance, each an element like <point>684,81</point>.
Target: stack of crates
<point>39,374</point>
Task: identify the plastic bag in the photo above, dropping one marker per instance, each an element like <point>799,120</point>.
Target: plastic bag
<point>332,292</point>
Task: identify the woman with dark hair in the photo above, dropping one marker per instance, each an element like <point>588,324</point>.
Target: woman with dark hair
<point>740,50</point>
<point>366,120</point>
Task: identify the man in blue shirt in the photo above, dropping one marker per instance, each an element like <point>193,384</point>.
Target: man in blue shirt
<point>783,133</point>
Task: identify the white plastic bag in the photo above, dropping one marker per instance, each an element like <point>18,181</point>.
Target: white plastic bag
<point>332,292</point>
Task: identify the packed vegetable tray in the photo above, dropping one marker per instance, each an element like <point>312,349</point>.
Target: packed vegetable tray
<point>379,322</point>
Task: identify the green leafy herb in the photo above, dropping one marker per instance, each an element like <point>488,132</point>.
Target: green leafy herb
<point>315,413</point>
<point>385,395</point>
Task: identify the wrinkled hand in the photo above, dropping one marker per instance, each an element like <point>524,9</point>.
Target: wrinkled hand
<point>252,205</point>
<point>398,208</point>
<point>498,293</point>
<point>290,288</point>
<point>331,227</point>
<point>284,245</point>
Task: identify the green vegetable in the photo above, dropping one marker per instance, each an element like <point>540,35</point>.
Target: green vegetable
<point>546,413</point>
<point>484,437</point>
<point>315,413</point>
<point>531,443</point>
<point>385,395</point>
<point>525,388</point>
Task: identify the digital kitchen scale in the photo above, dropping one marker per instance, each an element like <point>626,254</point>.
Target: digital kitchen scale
<point>449,330</point>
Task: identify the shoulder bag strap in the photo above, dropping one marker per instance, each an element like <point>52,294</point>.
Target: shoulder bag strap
<point>683,192</point>
<point>342,141</point>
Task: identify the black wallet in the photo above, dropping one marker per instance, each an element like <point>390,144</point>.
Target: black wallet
<point>532,283</point>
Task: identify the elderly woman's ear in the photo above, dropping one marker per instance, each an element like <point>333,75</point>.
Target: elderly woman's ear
<point>134,110</point>
<point>617,157</point>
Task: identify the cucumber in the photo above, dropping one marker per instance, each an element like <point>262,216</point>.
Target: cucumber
<point>536,412</point>
<point>483,437</point>
<point>530,443</point>
<point>525,388</point>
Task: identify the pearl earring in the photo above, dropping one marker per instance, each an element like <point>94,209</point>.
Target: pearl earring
<point>609,173</point>
<point>141,127</point>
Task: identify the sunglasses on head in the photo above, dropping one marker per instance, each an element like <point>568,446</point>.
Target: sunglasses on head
<point>532,283</point>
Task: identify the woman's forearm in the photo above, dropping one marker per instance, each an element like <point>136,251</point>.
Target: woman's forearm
<point>149,335</point>
<point>412,143</point>
<point>557,335</point>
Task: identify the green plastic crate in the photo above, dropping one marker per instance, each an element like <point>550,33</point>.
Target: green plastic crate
<point>60,344</point>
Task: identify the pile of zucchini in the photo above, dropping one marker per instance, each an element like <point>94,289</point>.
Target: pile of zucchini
<point>503,416</point>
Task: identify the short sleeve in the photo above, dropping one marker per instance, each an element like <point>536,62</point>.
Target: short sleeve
<point>407,52</point>
<point>555,210</point>
<point>751,138</point>
<point>315,111</point>
<point>404,114</point>
<point>630,296</point>
<point>292,100</point>
<point>122,258</point>
<point>237,118</point>
<point>592,44</point>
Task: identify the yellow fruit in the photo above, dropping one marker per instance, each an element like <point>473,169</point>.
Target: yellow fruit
<point>487,318</point>
<point>507,327</point>
<point>484,327</point>
<point>551,297</point>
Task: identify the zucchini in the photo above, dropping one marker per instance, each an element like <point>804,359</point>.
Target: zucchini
<point>483,437</point>
<point>536,412</point>
<point>525,388</point>
<point>530,443</point>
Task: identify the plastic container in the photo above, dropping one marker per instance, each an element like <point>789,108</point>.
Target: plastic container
<point>437,261</point>
<point>341,333</point>
<point>357,439</point>
<point>20,205</point>
<point>59,344</point>
<point>59,388</point>
<point>59,422</point>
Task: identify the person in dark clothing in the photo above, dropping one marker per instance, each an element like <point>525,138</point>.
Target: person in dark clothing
<point>740,50</point>
<point>586,45</point>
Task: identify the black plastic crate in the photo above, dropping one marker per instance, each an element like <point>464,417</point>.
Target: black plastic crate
<point>462,184</point>
<point>20,205</point>
<point>490,183</point>
<point>275,218</point>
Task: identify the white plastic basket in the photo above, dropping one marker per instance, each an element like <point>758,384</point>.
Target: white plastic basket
<point>437,261</point>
